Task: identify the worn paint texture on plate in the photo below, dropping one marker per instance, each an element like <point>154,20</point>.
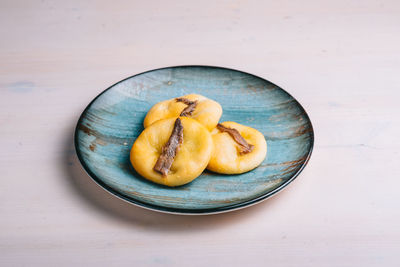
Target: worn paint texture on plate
<point>113,120</point>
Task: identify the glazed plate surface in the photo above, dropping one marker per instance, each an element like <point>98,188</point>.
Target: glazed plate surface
<point>110,124</point>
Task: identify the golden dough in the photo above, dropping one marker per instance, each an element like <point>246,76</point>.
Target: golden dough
<point>191,159</point>
<point>207,111</point>
<point>226,157</point>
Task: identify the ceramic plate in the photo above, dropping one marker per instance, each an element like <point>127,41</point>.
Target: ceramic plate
<point>110,124</point>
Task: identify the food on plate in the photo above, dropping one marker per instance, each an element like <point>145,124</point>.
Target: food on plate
<point>197,107</point>
<point>237,148</point>
<point>182,137</point>
<point>172,151</point>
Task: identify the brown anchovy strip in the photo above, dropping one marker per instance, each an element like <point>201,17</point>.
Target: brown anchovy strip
<point>244,146</point>
<point>169,150</point>
<point>189,109</point>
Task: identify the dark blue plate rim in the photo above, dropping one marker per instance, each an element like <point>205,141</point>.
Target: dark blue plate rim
<point>189,211</point>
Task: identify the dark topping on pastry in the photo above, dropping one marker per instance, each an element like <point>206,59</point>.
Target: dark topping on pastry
<point>243,145</point>
<point>189,109</point>
<point>170,149</point>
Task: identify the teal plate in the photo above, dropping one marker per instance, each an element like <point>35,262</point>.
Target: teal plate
<point>110,124</point>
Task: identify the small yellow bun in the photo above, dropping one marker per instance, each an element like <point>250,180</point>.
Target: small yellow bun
<point>226,157</point>
<point>191,159</point>
<point>207,112</point>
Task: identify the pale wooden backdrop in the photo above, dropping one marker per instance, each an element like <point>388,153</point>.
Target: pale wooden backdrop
<point>340,59</point>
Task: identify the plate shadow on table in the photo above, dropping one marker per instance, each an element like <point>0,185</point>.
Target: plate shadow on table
<point>103,202</point>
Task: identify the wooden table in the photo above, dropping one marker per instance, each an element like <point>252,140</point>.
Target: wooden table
<point>340,59</point>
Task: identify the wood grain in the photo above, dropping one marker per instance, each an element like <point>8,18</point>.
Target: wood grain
<point>340,59</point>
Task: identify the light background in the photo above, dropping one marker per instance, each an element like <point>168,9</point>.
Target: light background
<point>340,59</point>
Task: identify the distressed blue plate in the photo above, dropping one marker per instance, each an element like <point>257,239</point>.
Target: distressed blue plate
<point>110,124</point>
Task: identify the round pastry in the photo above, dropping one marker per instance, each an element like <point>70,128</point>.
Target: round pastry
<point>237,148</point>
<point>198,107</point>
<point>172,151</point>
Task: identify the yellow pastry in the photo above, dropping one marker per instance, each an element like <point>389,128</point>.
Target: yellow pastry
<point>237,148</point>
<point>198,107</point>
<point>172,151</point>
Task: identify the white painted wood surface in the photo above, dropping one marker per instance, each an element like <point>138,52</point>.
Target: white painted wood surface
<point>340,59</point>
